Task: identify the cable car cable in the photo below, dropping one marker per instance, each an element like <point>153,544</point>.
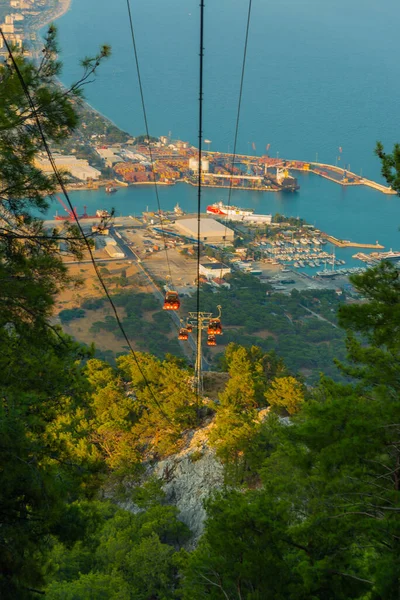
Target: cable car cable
<point>147,131</point>
<point>199,187</point>
<point>239,106</point>
<point>61,183</point>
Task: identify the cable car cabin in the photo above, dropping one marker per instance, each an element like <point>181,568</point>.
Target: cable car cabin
<point>189,328</point>
<point>183,334</point>
<point>211,341</point>
<point>214,327</point>
<point>171,301</point>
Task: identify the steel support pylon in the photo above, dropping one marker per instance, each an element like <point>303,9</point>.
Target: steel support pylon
<point>200,321</point>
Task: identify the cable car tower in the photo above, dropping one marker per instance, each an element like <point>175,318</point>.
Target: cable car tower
<point>201,321</point>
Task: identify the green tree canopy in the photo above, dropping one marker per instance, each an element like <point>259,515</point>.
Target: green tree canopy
<point>325,522</point>
<point>41,371</point>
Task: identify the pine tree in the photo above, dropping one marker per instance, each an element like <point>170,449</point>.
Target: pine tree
<point>41,376</point>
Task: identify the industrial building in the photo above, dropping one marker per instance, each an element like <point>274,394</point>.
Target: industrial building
<point>210,230</point>
<point>109,241</point>
<point>78,168</point>
<point>214,270</point>
<point>109,155</point>
<point>194,165</point>
<point>114,251</point>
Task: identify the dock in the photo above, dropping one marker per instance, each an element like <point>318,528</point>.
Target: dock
<point>225,170</point>
<point>365,257</point>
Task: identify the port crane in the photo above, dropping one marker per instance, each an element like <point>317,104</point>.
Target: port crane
<point>71,215</point>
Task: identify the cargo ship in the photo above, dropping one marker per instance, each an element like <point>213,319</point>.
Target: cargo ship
<point>286,181</point>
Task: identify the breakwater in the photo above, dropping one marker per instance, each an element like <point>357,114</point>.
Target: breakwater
<point>349,244</point>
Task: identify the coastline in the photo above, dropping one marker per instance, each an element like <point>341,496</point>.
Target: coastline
<point>52,15</point>
<point>49,16</point>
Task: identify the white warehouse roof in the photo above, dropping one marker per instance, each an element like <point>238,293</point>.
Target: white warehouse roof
<point>114,251</point>
<point>210,230</point>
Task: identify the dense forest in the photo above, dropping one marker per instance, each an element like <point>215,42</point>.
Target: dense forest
<point>308,506</point>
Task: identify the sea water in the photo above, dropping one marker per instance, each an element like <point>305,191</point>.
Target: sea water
<point>319,76</point>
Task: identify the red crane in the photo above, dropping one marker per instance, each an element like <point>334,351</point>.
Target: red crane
<point>71,214</point>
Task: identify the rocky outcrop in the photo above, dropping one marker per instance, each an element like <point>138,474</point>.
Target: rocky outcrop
<point>189,477</point>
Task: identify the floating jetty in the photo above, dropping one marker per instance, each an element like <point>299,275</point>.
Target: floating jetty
<point>348,244</point>
<point>376,257</point>
<point>364,257</point>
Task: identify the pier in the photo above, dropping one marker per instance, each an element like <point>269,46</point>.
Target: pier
<point>261,165</point>
<point>225,170</point>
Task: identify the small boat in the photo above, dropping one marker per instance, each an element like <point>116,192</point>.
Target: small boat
<point>178,211</point>
<point>110,189</point>
<point>327,274</point>
<point>102,214</point>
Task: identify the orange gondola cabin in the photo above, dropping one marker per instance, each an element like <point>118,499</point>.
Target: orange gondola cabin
<point>214,327</point>
<point>183,334</point>
<point>171,301</point>
<point>189,328</point>
<point>211,341</point>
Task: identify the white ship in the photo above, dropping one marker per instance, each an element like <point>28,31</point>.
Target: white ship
<point>178,211</point>
<point>234,213</point>
<point>219,208</point>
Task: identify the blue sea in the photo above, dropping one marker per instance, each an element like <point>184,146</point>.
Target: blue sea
<point>319,76</point>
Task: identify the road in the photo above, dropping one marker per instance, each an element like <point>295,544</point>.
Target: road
<point>319,316</point>
<point>175,317</point>
<point>130,255</point>
<point>160,297</point>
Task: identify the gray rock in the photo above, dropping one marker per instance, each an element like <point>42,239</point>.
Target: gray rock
<point>189,477</point>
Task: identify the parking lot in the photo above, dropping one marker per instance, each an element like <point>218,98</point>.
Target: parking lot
<point>183,269</point>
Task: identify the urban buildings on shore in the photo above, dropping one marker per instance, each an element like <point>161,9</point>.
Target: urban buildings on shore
<point>78,168</point>
<point>21,19</point>
<point>12,29</point>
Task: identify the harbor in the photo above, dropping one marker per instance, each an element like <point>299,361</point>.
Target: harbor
<point>361,209</point>
<point>168,161</point>
<point>319,202</point>
<point>307,255</point>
